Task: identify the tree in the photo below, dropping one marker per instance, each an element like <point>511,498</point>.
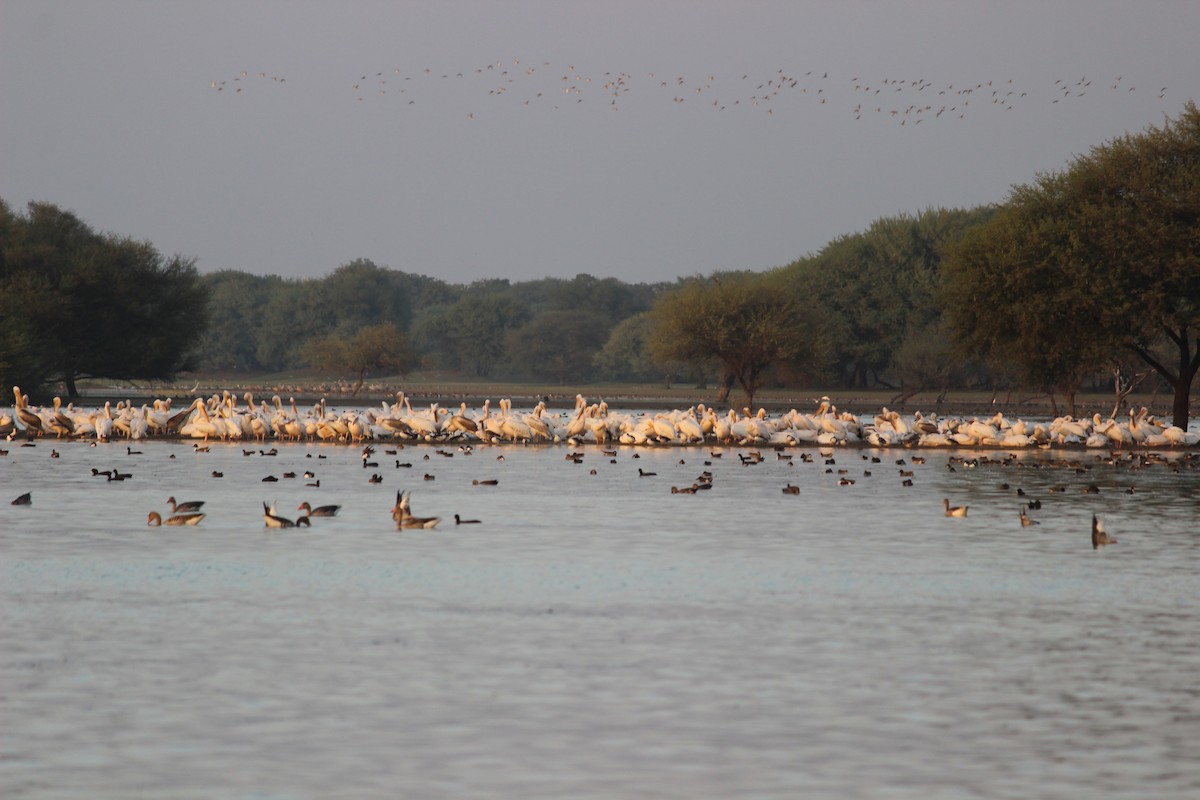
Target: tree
<point>373,349</point>
<point>558,345</point>
<point>1104,254</point>
<point>745,322</point>
<point>1015,304</point>
<point>82,304</point>
<point>471,333</point>
<point>236,304</point>
<point>881,283</point>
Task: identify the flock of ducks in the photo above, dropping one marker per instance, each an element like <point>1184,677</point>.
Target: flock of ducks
<point>224,417</point>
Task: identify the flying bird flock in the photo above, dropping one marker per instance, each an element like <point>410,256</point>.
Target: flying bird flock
<point>900,100</point>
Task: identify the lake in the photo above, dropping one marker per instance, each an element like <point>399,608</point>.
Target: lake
<point>597,636</point>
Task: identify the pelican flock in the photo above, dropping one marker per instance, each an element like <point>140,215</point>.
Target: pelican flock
<point>223,417</point>
<point>385,429</point>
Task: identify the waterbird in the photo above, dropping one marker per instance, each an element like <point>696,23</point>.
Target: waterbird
<point>488,482</point>
<point>460,521</point>
<point>155,519</point>
<point>954,511</point>
<point>402,513</point>
<point>184,508</point>
<point>1099,535</point>
<point>24,500</point>
<point>1026,520</point>
<point>319,511</point>
<point>273,520</point>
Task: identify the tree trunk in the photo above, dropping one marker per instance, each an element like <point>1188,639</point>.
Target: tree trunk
<point>726,387</point>
<point>1189,364</point>
<point>69,381</point>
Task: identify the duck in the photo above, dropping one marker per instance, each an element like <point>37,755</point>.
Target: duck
<point>155,519</point>
<point>189,507</point>
<point>954,511</point>
<point>1026,520</point>
<point>790,489</point>
<point>488,482</point>
<point>1099,535</point>
<point>319,511</point>
<point>24,500</point>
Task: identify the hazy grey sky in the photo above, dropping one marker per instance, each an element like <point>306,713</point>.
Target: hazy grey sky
<point>477,139</point>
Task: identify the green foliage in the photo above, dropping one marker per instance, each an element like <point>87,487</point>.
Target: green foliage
<point>558,345</point>
<point>471,334</point>
<point>1083,264</point>
<point>626,355</point>
<point>880,284</point>
<point>374,349</point>
<point>746,323</point>
<point>77,304</point>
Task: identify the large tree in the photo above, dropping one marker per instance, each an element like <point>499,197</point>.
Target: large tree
<point>374,349</point>
<point>1104,254</point>
<point>745,322</point>
<point>84,304</point>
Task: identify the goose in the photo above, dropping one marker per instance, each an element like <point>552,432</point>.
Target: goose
<point>273,520</point>
<point>954,511</point>
<point>488,482</point>
<point>1099,535</point>
<point>189,507</point>
<point>155,519</point>
<point>460,521</point>
<point>402,513</point>
<point>319,511</point>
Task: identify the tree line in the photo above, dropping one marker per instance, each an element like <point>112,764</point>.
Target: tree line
<point>1086,275</point>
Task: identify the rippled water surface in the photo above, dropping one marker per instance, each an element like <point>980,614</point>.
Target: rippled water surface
<point>596,635</point>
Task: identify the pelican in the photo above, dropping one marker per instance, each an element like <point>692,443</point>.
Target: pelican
<point>155,519</point>
<point>31,421</point>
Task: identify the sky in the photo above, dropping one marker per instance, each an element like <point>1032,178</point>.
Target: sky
<point>633,139</point>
